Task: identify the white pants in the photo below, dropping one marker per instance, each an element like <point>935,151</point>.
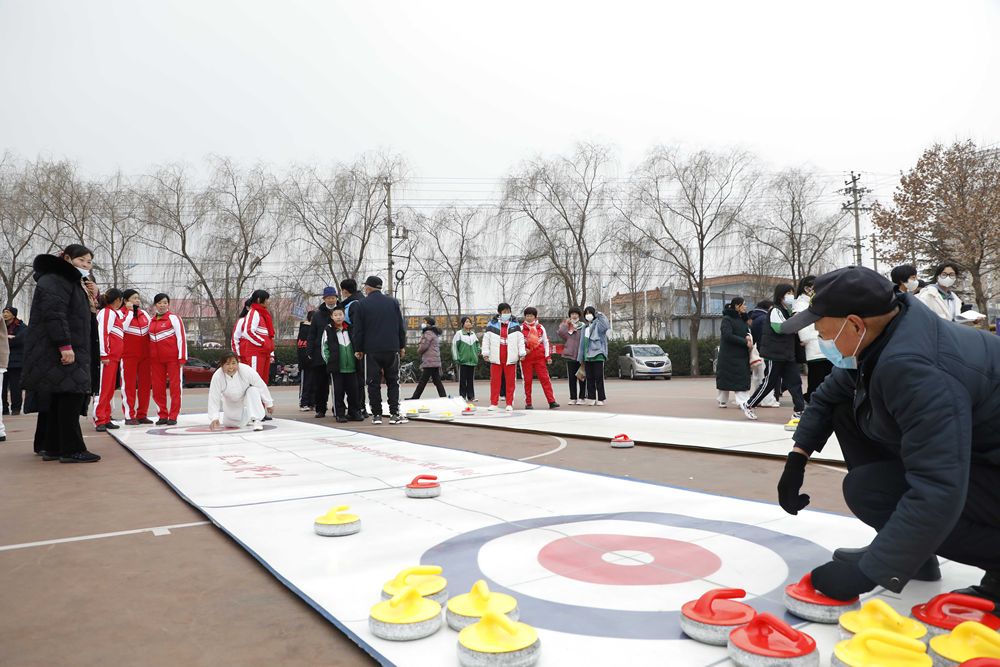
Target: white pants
<point>740,396</point>
<point>3,429</point>
<point>756,376</point>
<point>241,413</point>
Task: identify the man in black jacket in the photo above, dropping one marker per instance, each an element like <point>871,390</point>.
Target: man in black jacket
<point>15,330</point>
<point>380,341</point>
<point>915,403</point>
<point>349,299</point>
<point>314,347</point>
<point>306,374</point>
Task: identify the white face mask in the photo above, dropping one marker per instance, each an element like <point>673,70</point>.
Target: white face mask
<point>946,281</point>
<point>912,285</point>
<point>83,272</point>
<point>590,317</point>
<point>789,300</point>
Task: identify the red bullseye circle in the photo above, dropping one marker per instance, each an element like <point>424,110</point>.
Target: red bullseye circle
<point>599,559</point>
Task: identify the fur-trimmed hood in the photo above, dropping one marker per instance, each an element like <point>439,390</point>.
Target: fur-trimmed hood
<point>44,264</point>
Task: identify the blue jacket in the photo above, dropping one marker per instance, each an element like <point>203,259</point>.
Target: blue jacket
<point>758,318</point>
<point>599,338</point>
<point>930,390</point>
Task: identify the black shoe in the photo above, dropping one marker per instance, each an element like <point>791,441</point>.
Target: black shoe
<point>171,422</point>
<point>988,588</point>
<point>267,418</point>
<point>929,571</point>
<point>131,422</point>
<point>111,426</point>
<point>15,412</point>
<point>553,405</point>
<point>80,457</point>
<point>102,428</point>
<point>320,415</point>
<point>364,414</point>
<point>398,419</point>
<point>341,420</point>
<point>3,438</point>
<point>355,418</point>
<point>527,406</point>
<point>162,422</point>
<point>144,420</point>
<point>376,419</point>
<point>49,457</point>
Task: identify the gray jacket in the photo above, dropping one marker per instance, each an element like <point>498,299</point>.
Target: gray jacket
<point>429,348</point>
<point>598,338</point>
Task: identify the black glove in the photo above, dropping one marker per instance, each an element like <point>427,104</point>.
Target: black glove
<point>841,580</point>
<point>135,309</point>
<point>791,483</point>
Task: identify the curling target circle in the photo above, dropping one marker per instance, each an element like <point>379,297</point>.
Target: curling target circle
<point>204,430</point>
<point>605,575</point>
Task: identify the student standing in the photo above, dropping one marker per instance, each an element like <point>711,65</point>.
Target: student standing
<point>465,350</point>
<point>238,396</point>
<point>350,297</point>
<point>16,330</point>
<point>136,383</point>
<point>429,350</point>
<point>111,343</point>
<point>735,342</point>
<point>778,351</point>
<point>306,372</point>
<point>594,352</point>
<point>168,354</point>
<point>940,297</point>
<point>314,345</point>
<point>258,335</point>
<point>570,332</point>
<point>342,365</point>
<point>503,348</point>
<point>537,358</point>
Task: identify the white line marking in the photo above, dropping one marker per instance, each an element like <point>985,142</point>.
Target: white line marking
<point>834,468</point>
<point>562,446</point>
<point>157,530</point>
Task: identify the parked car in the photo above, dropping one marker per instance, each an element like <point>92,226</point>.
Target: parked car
<point>644,361</point>
<point>212,345</point>
<point>197,373</point>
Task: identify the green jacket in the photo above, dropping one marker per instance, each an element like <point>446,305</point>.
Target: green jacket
<point>465,349</point>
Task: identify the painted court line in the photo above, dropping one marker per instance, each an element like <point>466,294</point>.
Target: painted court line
<point>562,446</point>
<point>156,530</point>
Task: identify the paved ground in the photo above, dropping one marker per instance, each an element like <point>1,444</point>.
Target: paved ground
<point>188,595</point>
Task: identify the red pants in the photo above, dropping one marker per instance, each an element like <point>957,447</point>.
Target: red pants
<point>160,373</point>
<point>531,366</point>
<point>507,370</point>
<point>102,407</point>
<point>135,387</point>
<point>259,361</point>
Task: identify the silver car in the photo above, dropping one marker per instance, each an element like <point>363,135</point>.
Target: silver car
<point>644,361</point>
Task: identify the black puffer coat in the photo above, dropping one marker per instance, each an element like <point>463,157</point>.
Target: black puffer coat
<point>60,315</point>
<point>773,345</point>
<point>733,371</point>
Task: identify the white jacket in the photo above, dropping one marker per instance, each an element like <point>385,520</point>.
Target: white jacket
<point>808,335</point>
<point>515,343</point>
<point>947,309</point>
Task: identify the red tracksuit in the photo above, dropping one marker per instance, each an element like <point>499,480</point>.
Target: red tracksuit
<point>257,341</point>
<point>234,340</point>
<point>111,339</point>
<point>168,352</point>
<point>135,364</point>
<point>502,370</point>
<point>536,342</point>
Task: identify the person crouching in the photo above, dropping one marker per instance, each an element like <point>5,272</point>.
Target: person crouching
<point>338,352</point>
<point>238,395</point>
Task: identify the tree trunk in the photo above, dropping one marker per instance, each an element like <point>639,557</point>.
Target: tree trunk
<point>693,332</point>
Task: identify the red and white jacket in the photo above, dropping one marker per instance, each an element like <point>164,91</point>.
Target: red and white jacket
<point>536,341</point>
<point>136,328</point>
<point>234,340</point>
<point>110,335</point>
<point>258,331</point>
<point>166,338</point>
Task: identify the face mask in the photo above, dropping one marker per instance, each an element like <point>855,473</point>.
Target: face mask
<point>505,317</point>
<point>829,350</point>
<point>423,326</point>
<point>912,285</point>
<point>590,317</point>
<point>789,301</point>
<point>946,281</point>
<point>83,272</point>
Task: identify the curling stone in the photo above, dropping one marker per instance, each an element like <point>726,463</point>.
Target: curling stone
<point>792,424</point>
<point>412,412</point>
<point>944,612</point>
<point>426,579</point>
<point>711,618</point>
<point>497,641</point>
<point>767,641</point>
<point>405,617</point>
<point>981,662</point>
<point>423,409</point>
<point>423,486</point>
<point>804,601</point>
<point>336,523</point>
<point>464,610</point>
<point>967,641</point>
<point>469,410</point>
<point>446,416</point>
<point>876,614</point>
<point>880,647</point>
<point>621,441</point>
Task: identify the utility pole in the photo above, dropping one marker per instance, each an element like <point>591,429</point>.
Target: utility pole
<point>875,252</point>
<point>854,205</point>
<point>388,226</point>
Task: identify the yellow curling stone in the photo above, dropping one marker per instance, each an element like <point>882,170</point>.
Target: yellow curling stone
<point>876,614</point>
<point>880,648</point>
<point>464,610</point>
<point>407,616</point>
<point>497,641</point>
<point>792,424</point>
<point>336,523</point>
<point>426,579</point>
<point>411,412</point>
<point>424,409</point>
<point>967,641</point>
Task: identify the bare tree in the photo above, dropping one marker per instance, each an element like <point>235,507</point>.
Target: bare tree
<point>564,202</point>
<point>632,264</point>
<point>25,228</point>
<point>115,229</point>
<point>793,225</point>
<point>684,206</point>
<point>65,197</point>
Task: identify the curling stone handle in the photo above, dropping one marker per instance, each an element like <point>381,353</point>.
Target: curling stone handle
<point>877,640</point>
<point>764,624</point>
<point>970,631</point>
<point>405,597</point>
<point>882,609</point>
<point>419,480</point>
<point>937,604</point>
<point>419,570</point>
<point>340,508</point>
<point>481,590</point>
<point>498,621</point>
<point>704,604</point>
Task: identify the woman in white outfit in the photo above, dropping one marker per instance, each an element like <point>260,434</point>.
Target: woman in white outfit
<point>239,394</point>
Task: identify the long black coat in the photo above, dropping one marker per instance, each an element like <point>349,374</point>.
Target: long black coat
<point>60,315</point>
<point>733,371</point>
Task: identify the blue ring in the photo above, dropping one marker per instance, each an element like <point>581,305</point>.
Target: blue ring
<point>459,558</point>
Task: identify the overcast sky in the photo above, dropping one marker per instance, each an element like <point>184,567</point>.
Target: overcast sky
<point>466,89</point>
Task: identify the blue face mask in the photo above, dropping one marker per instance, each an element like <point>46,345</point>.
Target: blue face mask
<point>505,317</point>
<point>836,357</point>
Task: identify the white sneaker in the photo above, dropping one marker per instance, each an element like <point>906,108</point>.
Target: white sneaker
<point>592,403</point>
<point>748,412</point>
<point>304,409</point>
<point>599,403</point>
<point>723,405</point>
<point>769,403</point>
<point>256,425</point>
<point>509,408</point>
<point>493,408</point>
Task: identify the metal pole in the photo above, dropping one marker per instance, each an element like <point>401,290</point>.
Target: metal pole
<point>388,226</point>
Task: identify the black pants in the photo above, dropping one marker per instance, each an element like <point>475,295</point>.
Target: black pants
<point>321,388</point>
<point>778,374</point>
<point>12,390</point>
<point>595,379</point>
<point>434,375</point>
<point>345,388</point>
<point>467,382</point>
<point>377,363</point>
<point>876,481</point>
<point>307,395</point>
<point>57,430</point>
<point>816,372</point>
<point>572,366</point>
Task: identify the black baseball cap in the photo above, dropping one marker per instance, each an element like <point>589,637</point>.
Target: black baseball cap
<point>374,281</point>
<point>853,290</point>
